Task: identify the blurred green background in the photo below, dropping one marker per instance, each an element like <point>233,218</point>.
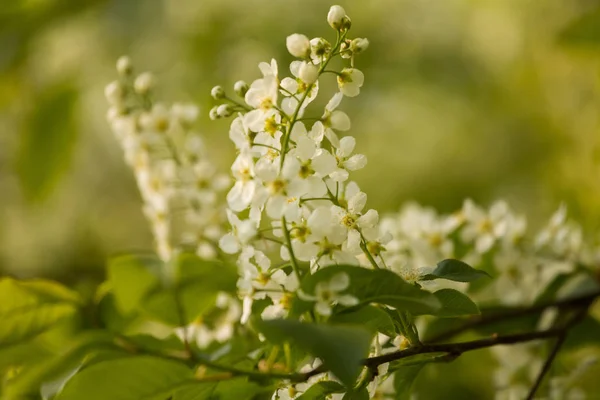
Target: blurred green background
<point>462,98</point>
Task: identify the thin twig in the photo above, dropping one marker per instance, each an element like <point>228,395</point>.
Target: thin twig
<point>483,319</point>
<point>547,365</point>
<point>459,348</point>
<point>581,313</point>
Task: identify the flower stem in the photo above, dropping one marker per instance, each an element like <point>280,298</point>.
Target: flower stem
<point>288,243</point>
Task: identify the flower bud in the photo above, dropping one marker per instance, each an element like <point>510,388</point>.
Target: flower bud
<point>335,16</point>
<point>224,110</point>
<point>213,113</point>
<point>241,88</point>
<point>359,45</point>
<point>345,49</point>
<point>319,47</point>
<point>346,23</point>
<point>143,83</point>
<point>298,45</point>
<point>115,93</point>
<point>309,73</point>
<point>217,93</point>
<point>124,66</point>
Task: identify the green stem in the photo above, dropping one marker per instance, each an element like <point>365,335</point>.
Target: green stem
<point>288,243</point>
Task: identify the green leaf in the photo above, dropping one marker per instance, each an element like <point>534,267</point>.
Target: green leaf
<point>132,277</point>
<point>196,391</point>
<point>420,359</point>
<point>372,286</point>
<point>320,390</point>
<point>403,380</point>
<point>29,308</point>
<point>585,333</point>
<point>584,30</point>
<point>340,347</point>
<point>133,378</point>
<point>47,141</point>
<point>51,374</point>
<point>370,317</point>
<point>240,388</point>
<point>455,270</point>
<point>139,284</point>
<point>360,394</point>
<point>579,285</point>
<point>455,304</point>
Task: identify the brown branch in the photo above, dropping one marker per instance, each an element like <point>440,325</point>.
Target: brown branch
<point>482,320</point>
<point>457,349</point>
<point>581,313</point>
<point>546,368</point>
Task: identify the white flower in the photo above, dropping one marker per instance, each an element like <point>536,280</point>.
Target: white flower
<point>350,80</point>
<point>319,49</point>
<point>114,93</point>
<point>242,193</point>
<point>240,235</point>
<point>484,228</point>
<point>308,73</point>
<point>263,92</point>
<point>143,83</point>
<point>298,45</point>
<point>335,17</point>
<point>295,89</point>
<point>124,66</point>
<point>328,293</point>
<point>359,45</point>
<point>346,161</point>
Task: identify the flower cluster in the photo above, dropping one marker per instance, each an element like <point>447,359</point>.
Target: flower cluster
<point>179,185</point>
<point>495,240</point>
<point>292,195</point>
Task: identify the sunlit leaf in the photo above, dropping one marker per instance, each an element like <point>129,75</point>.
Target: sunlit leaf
<point>455,304</point>
<point>455,270</point>
<point>133,378</point>
<point>341,347</point>
<point>47,141</point>
<point>373,286</point>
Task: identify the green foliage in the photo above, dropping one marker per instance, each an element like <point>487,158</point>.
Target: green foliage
<point>373,286</point>
<point>455,304</point>
<point>403,380</point>
<point>131,378</point>
<point>455,270</point>
<point>321,389</point>
<point>28,309</point>
<point>140,285</point>
<point>584,30</point>
<point>47,141</point>
<point>341,347</point>
<point>370,317</point>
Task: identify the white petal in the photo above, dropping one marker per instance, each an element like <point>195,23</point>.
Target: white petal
<point>298,131</point>
<point>334,102</point>
<point>347,300</point>
<point>350,90</point>
<point>347,145</point>
<point>324,162</point>
<point>229,244</point>
<point>306,148</point>
<point>339,282</point>
<point>315,187</point>
<point>340,121</point>
<point>323,309</point>
<point>357,202</point>
<point>275,207</point>
<point>351,189</point>
<point>356,162</point>
<point>368,220</point>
